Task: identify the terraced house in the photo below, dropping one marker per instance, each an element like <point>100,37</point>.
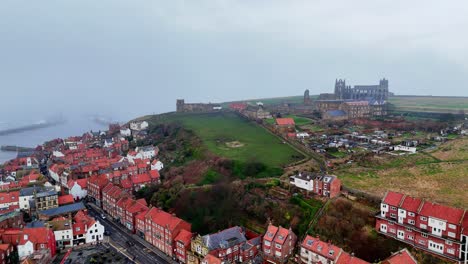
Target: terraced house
<point>235,244</point>
<point>278,244</point>
<point>162,228</point>
<point>435,228</point>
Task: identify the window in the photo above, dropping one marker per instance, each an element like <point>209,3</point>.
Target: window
<point>448,242</point>
<point>42,246</point>
<point>411,222</point>
<point>393,208</point>
<point>410,237</point>
<point>451,251</point>
<point>267,243</point>
<point>424,235</point>
<point>408,229</point>
<point>452,226</point>
<point>423,218</point>
<point>384,206</point>
<point>411,214</point>
<point>451,234</point>
<point>393,215</point>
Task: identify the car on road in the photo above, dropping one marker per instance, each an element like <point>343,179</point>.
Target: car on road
<point>103,216</point>
<point>107,233</point>
<point>130,243</point>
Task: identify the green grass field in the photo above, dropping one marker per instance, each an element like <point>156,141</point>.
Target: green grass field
<point>228,135</point>
<point>430,104</point>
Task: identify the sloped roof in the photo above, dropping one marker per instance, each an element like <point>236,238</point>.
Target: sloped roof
<point>393,198</point>
<point>321,248</point>
<point>64,209</point>
<point>224,239</point>
<point>65,199</point>
<point>401,257</point>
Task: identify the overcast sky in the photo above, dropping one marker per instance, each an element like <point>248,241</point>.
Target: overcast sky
<point>133,57</point>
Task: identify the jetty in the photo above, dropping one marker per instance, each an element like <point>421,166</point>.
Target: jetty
<point>20,129</point>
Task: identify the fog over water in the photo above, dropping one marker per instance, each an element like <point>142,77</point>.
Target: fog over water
<point>121,59</point>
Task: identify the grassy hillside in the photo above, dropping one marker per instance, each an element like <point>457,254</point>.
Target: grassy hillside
<point>439,175</point>
<point>229,136</point>
<point>430,104</point>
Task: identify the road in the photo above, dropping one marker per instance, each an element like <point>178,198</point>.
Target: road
<point>119,237</point>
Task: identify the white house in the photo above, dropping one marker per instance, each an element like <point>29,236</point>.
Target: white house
<point>302,181</point>
<point>302,135</point>
<point>25,249</point>
<point>86,229</point>
<point>54,172</point>
<point>147,152</point>
<point>125,132</point>
<point>63,232</point>
<point>405,148</point>
<point>78,188</point>
<point>157,165</point>
<point>138,125</point>
<point>57,154</point>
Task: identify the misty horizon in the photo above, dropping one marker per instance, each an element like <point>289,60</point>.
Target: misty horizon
<point>124,59</point>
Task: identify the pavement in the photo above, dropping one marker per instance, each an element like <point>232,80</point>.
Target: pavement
<point>140,252</point>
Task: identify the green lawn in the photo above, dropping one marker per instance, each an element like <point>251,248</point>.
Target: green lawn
<point>430,103</point>
<point>230,136</point>
<point>300,121</point>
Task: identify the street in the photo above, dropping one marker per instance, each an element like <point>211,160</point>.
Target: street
<point>118,238</point>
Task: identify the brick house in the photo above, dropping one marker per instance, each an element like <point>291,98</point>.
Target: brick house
<point>226,245</point>
<point>96,184</point>
<point>182,245</point>
<point>131,211</point>
<point>111,194</point>
<point>161,229</point>
<point>323,185</point>
<point>438,229</point>
<point>278,244</point>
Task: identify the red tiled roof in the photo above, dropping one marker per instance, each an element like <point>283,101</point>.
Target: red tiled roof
<point>287,121</point>
<point>346,258</point>
<point>142,201</point>
<point>271,232</point>
<point>5,247</point>
<point>401,257</point>
<point>450,214</point>
<point>9,197</point>
<point>136,207</point>
<point>210,259</point>
<point>99,180</point>
<point>281,235</point>
<point>411,204</point>
<point>319,247</point>
<point>393,198</point>
<point>154,174</point>
<point>126,184</point>
<point>65,199</point>
<point>35,235</point>
<point>140,178</point>
<point>83,183</point>
<point>184,236</point>
<point>162,218</point>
